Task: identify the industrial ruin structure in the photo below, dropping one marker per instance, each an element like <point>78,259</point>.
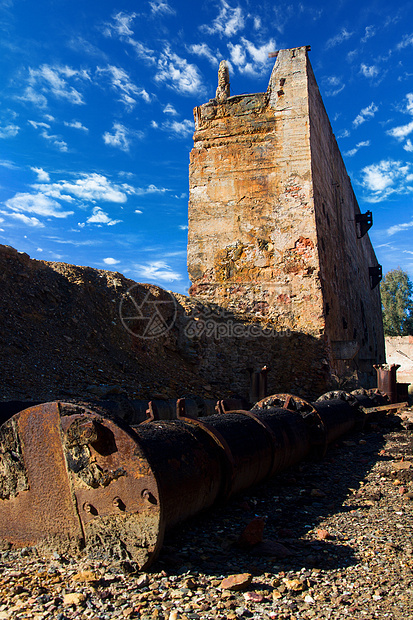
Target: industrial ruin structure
<point>275,231</point>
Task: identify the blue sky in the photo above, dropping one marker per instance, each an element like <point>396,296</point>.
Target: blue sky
<point>96,117</point>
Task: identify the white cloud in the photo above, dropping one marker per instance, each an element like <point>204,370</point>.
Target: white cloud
<point>408,146</point>
<point>151,189</point>
<point>138,211</point>
<point>386,178</point>
<point>160,6</point>
<point>154,125</point>
<point>53,80</point>
<point>121,138</point>
<point>76,125</point>
<point>248,58</point>
<point>406,41</point>
<point>181,129</point>
<point>178,74</point>
<point>29,221</point>
<point>9,131</point>
<point>169,109</point>
<point>121,82</point>
<point>358,146</point>
<point>229,21</point>
<point>31,96</point>
<point>42,175</point>
<point>342,36</point>
<point>38,204</point>
<point>334,85</point>
<point>370,31</point>
<point>157,270</point>
<point>399,227</point>
<point>111,261</point>
<point>401,132</point>
<point>90,187</point>
<point>120,25</point>
<point>183,227</point>
<point>202,49</point>
<point>100,217</point>
<point>365,113</point>
<point>404,130</point>
<point>53,139</point>
<point>369,71</point>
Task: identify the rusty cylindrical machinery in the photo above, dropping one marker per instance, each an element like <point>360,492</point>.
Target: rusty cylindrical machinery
<point>71,477</point>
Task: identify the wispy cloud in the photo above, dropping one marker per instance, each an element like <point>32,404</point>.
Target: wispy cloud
<point>406,41</point>
<point>369,32</point>
<point>157,270</point>
<point>399,227</point>
<point>404,130</point>
<point>365,114</point>
<point>229,21</point>
<point>369,71</point>
<point>121,26</point>
<point>342,36</point>
<point>50,80</point>
<point>55,140</point>
<point>121,137</point>
<point>202,49</point>
<point>248,58</point>
<point>178,73</point>
<point>159,7</point>
<point>76,125</point>
<point>386,178</point>
<point>169,109</point>
<point>9,131</point>
<point>358,146</point>
<point>180,129</point>
<point>334,85</point>
<point>121,82</point>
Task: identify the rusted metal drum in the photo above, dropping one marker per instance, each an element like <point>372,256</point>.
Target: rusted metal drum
<point>71,476</point>
<point>387,380</point>
<point>339,414</point>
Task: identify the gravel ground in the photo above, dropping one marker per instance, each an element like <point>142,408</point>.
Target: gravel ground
<point>336,544</point>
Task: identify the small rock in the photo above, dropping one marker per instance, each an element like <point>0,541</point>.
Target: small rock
<point>74,598</point>
<point>86,576</point>
<point>295,585</point>
<point>323,535</point>
<point>252,534</point>
<point>317,493</point>
<point>254,597</point>
<point>237,582</point>
<point>142,581</point>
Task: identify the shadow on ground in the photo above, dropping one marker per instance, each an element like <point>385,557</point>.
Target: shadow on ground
<point>292,504</point>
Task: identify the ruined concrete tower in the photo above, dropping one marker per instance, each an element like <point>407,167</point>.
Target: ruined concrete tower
<point>275,231</point>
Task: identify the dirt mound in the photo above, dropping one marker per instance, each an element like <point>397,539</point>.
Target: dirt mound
<point>62,335</point>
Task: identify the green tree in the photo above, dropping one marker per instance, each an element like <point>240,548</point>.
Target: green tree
<point>396,297</point>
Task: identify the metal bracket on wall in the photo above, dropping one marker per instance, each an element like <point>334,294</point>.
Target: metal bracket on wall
<point>364,221</point>
<point>376,274</point>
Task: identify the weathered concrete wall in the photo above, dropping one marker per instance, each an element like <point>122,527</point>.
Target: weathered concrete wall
<point>252,238</point>
<point>272,234</point>
<point>399,350</point>
<point>352,310</point>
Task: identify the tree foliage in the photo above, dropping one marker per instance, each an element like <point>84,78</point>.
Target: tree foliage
<point>396,296</point>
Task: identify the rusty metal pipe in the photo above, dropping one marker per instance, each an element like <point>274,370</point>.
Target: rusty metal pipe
<point>70,476</point>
